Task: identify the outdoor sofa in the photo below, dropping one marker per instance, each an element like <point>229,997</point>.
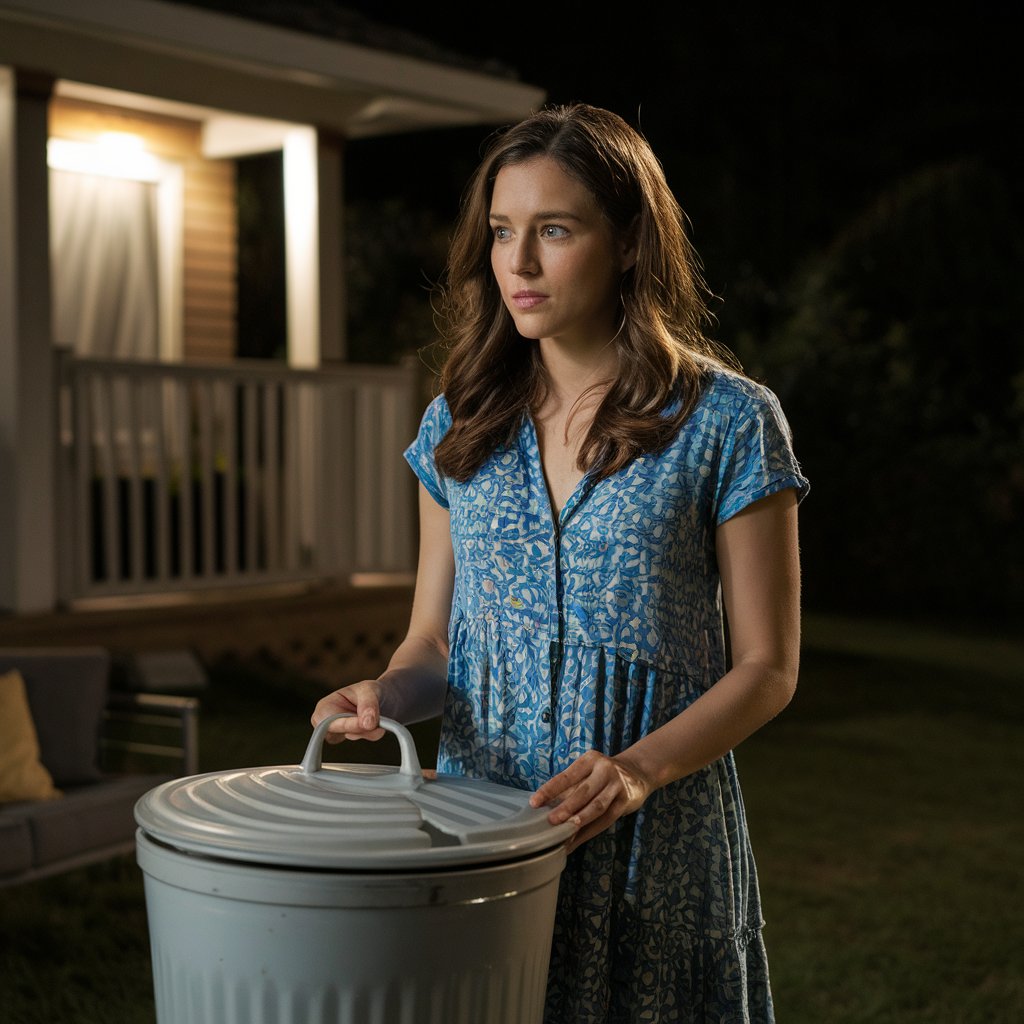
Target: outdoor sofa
<point>62,729</point>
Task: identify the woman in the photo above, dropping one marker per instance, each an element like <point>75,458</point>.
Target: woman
<point>596,483</point>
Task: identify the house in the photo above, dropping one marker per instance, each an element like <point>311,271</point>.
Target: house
<point>138,453</point>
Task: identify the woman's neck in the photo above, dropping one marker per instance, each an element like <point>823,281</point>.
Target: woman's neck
<point>573,373</point>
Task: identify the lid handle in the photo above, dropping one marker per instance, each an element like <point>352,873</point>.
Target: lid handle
<point>410,775</point>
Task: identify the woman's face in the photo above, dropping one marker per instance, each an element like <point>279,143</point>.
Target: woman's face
<point>554,256</point>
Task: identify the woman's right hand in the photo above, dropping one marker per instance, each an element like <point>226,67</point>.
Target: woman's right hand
<point>360,699</point>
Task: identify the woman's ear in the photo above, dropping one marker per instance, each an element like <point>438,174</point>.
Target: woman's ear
<point>628,246</point>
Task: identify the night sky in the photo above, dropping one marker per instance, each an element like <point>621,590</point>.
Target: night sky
<point>774,129</point>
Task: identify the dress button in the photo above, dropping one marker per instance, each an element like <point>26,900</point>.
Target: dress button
<point>545,716</point>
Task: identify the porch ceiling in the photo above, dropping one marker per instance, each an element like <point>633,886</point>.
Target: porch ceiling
<point>185,55</point>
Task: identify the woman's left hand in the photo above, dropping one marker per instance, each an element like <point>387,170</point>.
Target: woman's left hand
<point>594,791</point>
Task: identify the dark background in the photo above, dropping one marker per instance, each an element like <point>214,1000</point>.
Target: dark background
<point>853,180</point>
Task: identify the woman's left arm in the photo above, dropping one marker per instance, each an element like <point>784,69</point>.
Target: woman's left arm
<point>759,563</point>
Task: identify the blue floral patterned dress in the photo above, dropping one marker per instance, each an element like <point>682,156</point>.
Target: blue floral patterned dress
<point>590,631</point>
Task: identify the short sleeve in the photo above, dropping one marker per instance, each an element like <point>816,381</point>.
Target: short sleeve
<point>420,454</point>
<point>757,458</point>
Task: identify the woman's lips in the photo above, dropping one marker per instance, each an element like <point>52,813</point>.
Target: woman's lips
<point>527,300</point>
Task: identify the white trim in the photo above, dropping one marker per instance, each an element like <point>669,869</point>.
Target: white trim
<point>28,413</point>
<point>229,136</point>
<point>302,247</point>
<point>170,198</point>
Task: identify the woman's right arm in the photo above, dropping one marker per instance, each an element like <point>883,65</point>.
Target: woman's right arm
<point>412,687</point>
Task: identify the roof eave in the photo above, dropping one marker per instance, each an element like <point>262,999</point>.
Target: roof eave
<point>195,55</point>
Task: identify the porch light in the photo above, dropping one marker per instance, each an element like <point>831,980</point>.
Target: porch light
<point>112,155</point>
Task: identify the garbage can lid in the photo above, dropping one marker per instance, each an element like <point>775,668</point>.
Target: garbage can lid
<point>347,816</point>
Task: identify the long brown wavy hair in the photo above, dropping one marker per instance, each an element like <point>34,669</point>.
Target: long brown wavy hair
<point>492,377</point>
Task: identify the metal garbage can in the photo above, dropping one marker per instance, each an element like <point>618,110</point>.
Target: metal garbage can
<point>347,894</point>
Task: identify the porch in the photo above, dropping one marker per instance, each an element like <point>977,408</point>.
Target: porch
<point>243,511</point>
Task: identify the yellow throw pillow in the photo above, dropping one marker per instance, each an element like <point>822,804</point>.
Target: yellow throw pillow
<point>22,775</point>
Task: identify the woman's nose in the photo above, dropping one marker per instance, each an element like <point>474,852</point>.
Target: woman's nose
<point>524,258</point>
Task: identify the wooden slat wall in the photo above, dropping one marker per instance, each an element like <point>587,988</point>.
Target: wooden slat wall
<point>210,222</point>
<point>211,258</point>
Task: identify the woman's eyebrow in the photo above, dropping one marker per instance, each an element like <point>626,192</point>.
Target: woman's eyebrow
<point>543,215</point>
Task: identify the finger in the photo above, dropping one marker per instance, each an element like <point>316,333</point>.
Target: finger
<point>348,728</point>
<point>595,802</point>
<point>368,712</point>
<point>584,835</point>
<point>551,790</point>
<point>359,701</point>
<point>351,728</point>
<point>562,782</point>
<point>594,826</point>
<point>335,732</point>
<point>584,781</point>
<point>589,800</point>
<point>606,806</point>
<point>586,830</point>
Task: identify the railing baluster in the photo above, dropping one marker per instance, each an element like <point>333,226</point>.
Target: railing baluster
<point>271,476</point>
<point>158,397</point>
<point>134,430</point>
<point>406,521</point>
<point>228,390</point>
<point>108,480</point>
<point>335,510</point>
<point>204,399</point>
<point>365,499</point>
<point>253,526</point>
<point>311,529</point>
<point>291,479</point>
<point>388,479</point>
<point>186,564</point>
<point>83,440</point>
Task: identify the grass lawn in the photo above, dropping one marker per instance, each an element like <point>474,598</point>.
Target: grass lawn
<point>885,812</point>
<point>884,809</point>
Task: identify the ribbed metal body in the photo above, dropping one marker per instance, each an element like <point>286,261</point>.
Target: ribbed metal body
<point>252,944</point>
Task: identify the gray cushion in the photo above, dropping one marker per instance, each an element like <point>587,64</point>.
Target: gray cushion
<point>15,845</point>
<point>67,693</point>
<point>86,819</point>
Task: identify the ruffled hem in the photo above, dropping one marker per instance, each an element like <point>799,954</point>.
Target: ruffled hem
<point>687,979</point>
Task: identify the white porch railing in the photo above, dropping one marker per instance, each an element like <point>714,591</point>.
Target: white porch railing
<point>181,477</point>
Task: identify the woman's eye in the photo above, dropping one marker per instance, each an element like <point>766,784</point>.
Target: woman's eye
<point>553,231</point>
<point>501,234</point>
